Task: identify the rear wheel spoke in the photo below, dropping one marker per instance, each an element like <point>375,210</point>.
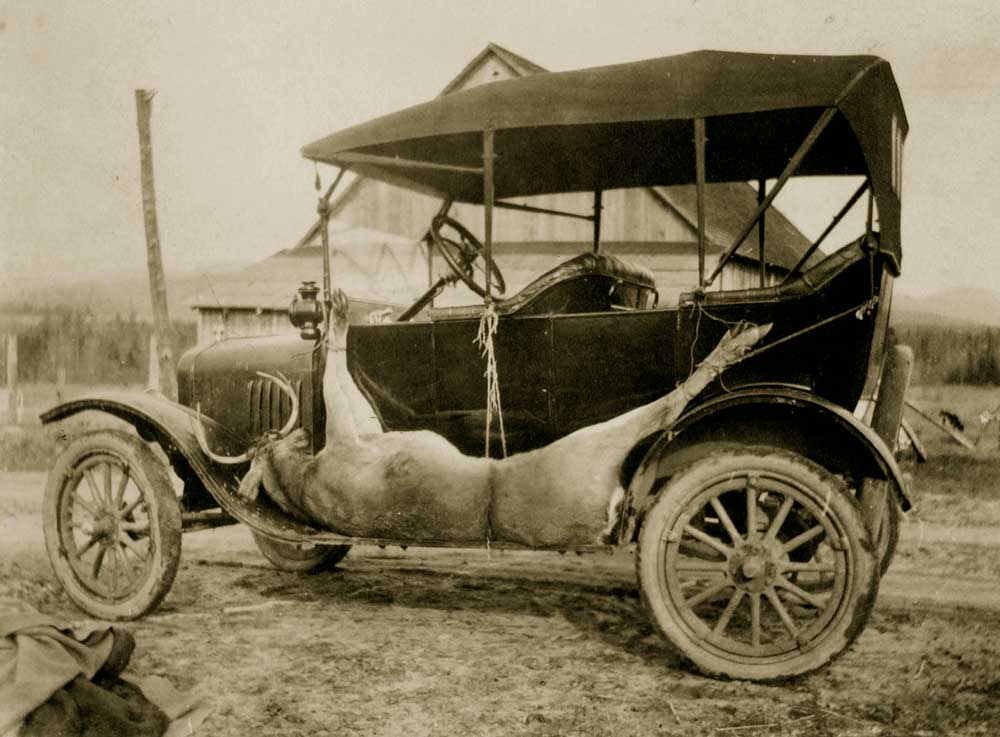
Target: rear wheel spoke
<point>708,593</point>
<point>802,594</point>
<point>727,614</point>
<point>726,521</point>
<point>755,620</point>
<point>779,518</point>
<point>786,618</point>
<point>689,565</point>
<point>802,539</point>
<point>751,492</point>
<point>712,542</point>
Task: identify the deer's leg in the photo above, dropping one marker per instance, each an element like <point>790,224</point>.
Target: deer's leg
<point>581,473</point>
<point>348,412</point>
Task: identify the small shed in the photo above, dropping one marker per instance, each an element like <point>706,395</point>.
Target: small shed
<point>378,271</point>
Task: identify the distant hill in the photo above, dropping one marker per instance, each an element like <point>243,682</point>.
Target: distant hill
<point>951,308</point>
<point>122,294</point>
<point>126,294</point>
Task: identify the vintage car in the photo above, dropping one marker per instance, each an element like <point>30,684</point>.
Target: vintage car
<point>753,516</point>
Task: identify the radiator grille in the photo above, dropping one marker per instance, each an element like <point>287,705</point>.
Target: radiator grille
<point>269,407</point>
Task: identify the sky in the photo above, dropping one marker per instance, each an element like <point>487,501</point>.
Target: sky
<point>242,86</point>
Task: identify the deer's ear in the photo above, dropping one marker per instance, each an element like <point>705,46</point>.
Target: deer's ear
<point>299,440</point>
<point>250,484</point>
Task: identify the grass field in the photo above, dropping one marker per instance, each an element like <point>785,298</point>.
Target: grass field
<point>31,446</point>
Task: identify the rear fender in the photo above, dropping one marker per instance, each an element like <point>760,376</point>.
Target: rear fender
<point>159,420</point>
<point>782,417</point>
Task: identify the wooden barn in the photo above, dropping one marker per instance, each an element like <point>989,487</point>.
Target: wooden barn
<point>379,271</point>
<point>655,227</point>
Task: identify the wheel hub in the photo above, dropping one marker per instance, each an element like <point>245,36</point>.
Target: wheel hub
<point>753,567</point>
<point>105,525</point>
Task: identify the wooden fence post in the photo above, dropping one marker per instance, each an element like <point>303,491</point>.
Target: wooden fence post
<point>153,376</point>
<point>167,376</point>
<point>61,383</point>
<point>13,406</point>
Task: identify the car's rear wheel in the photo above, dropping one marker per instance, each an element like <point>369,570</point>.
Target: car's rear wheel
<point>112,525</point>
<point>755,564</point>
<point>299,557</point>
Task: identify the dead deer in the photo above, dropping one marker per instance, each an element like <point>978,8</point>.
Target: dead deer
<point>416,486</point>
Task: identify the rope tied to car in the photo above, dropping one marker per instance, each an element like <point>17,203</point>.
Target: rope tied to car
<point>860,312</point>
<point>488,324</point>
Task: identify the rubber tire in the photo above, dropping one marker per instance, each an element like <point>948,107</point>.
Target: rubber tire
<point>687,484</point>
<point>290,557</point>
<point>147,471</point>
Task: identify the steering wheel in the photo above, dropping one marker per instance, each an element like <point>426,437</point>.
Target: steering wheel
<point>463,251</point>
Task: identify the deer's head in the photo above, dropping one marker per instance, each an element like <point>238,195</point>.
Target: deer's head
<point>259,455</point>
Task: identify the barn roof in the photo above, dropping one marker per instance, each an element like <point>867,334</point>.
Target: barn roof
<point>371,266</point>
<point>728,206</point>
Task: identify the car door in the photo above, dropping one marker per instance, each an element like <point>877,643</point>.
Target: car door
<point>523,357</point>
<point>607,363</point>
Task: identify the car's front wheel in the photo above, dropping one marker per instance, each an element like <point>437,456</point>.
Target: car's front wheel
<point>112,525</point>
<point>755,564</point>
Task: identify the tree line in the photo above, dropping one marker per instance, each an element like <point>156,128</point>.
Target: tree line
<point>101,350</point>
<point>90,349</point>
<point>953,355</point>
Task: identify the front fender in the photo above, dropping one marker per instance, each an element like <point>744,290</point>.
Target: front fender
<point>782,417</point>
<point>157,419</point>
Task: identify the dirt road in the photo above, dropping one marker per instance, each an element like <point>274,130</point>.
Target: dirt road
<point>437,643</point>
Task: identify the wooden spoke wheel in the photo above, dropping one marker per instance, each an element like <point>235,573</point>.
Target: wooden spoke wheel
<point>112,525</point>
<point>299,557</point>
<point>755,564</point>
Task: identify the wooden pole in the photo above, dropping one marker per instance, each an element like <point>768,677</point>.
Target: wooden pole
<point>598,207</point>
<point>488,197</point>
<point>61,381</point>
<point>12,391</point>
<point>153,372</point>
<point>761,187</point>
<point>699,166</point>
<point>886,417</point>
<point>154,258</point>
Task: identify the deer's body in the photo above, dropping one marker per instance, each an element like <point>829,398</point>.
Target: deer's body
<point>417,486</point>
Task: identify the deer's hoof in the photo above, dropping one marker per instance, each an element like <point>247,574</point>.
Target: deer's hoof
<point>340,305</point>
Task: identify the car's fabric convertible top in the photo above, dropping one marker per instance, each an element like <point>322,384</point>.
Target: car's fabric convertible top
<point>631,125</point>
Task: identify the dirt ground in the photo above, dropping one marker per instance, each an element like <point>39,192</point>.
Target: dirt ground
<point>427,642</point>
